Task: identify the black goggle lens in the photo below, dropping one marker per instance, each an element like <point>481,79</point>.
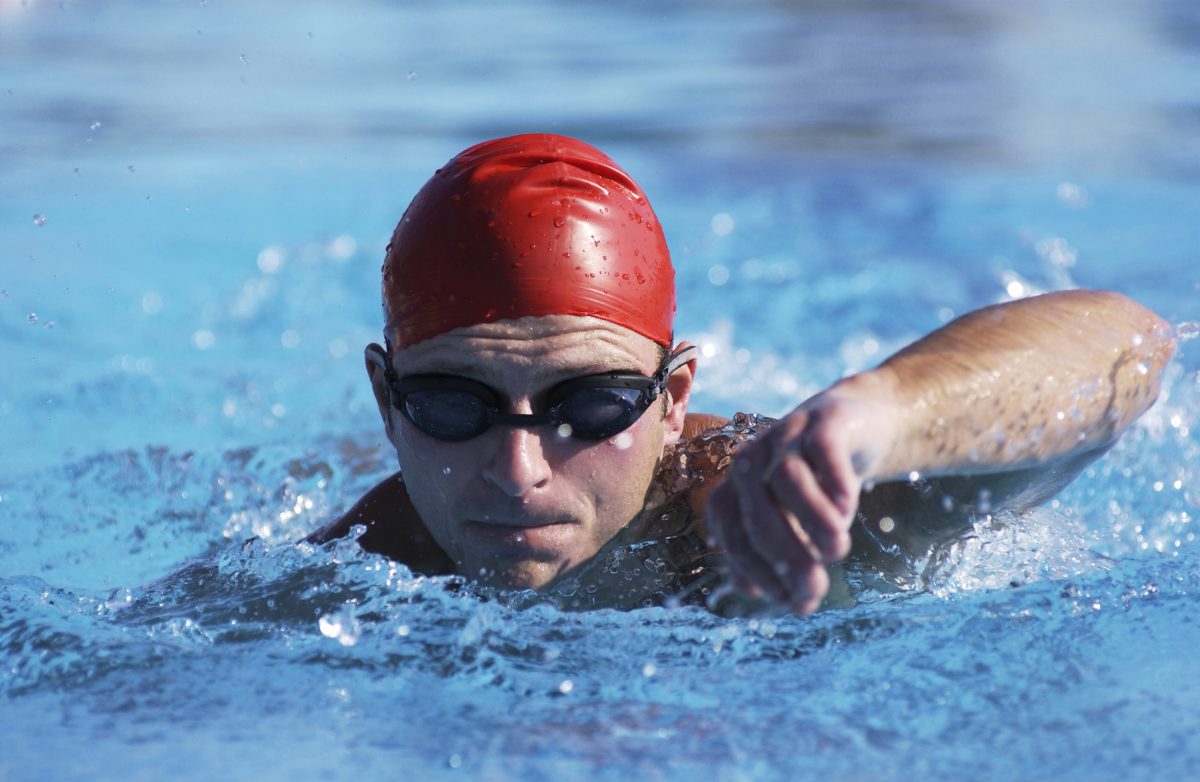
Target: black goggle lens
<point>597,413</point>
<point>446,415</point>
<point>594,407</point>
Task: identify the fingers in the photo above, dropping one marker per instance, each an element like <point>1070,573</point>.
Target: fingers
<point>796,486</point>
<point>752,573</point>
<point>784,510</point>
<point>769,549</point>
<point>833,466</point>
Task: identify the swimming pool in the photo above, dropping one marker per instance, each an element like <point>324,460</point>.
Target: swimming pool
<point>194,198</point>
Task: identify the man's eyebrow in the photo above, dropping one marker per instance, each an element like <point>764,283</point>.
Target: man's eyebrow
<point>473,370</point>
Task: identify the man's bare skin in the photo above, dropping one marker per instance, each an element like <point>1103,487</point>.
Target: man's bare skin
<point>997,410</point>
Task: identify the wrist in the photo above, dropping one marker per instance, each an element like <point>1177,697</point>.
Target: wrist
<point>866,407</point>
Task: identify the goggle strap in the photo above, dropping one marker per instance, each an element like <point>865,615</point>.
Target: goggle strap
<point>674,362</point>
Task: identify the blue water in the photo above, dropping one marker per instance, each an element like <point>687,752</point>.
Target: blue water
<point>194,198</point>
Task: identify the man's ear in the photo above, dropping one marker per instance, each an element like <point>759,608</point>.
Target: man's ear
<point>376,360</point>
<point>679,391</point>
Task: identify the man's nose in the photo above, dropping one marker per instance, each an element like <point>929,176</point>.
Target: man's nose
<point>519,463</point>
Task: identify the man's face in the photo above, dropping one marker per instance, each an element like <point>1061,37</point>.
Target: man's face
<point>519,507</point>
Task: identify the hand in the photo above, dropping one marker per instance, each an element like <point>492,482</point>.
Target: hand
<point>787,501</point>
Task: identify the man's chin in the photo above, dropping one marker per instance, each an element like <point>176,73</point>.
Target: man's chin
<point>520,575</point>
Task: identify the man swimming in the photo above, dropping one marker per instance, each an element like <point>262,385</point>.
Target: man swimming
<point>532,388</point>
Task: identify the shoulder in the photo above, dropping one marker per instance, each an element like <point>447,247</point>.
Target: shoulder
<point>393,528</point>
<point>697,463</point>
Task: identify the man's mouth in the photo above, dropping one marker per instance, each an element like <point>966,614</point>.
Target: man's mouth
<point>543,540</point>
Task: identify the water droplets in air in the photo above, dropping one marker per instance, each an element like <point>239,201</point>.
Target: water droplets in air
<point>341,625</point>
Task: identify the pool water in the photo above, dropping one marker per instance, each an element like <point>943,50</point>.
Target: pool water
<point>194,198</point>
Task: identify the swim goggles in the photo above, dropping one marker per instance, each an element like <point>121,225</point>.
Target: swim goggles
<point>592,407</point>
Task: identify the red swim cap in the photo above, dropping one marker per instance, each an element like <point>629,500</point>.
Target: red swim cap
<point>528,225</point>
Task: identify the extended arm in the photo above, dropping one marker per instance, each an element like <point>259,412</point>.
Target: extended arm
<point>1011,400</point>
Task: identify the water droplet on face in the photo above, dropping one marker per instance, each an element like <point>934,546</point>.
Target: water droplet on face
<point>564,430</point>
<point>39,220</point>
<point>623,441</point>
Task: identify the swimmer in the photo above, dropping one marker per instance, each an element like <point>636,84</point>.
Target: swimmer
<point>537,400</point>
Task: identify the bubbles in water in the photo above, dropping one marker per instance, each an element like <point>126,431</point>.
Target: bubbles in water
<point>446,471</point>
<point>412,75</point>
<point>564,430</point>
<point>32,318</point>
<point>718,274</point>
<point>566,686</point>
<point>242,57</point>
<point>39,220</point>
<point>290,339</point>
<point>1189,329</point>
<point>95,126</point>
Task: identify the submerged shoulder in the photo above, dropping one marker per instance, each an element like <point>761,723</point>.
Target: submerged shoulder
<point>393,528</point>
<point>697,463</point>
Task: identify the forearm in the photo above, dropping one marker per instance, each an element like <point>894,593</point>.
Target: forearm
<point>1015,385</point>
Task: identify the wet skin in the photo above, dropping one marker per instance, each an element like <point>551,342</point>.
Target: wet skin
<point>521,507</point>
<point>998,410</point>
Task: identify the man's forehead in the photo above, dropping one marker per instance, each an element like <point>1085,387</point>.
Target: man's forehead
<point>541,345</point>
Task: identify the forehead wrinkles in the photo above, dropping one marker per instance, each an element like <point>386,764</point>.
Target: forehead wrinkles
<point>534,347</point>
